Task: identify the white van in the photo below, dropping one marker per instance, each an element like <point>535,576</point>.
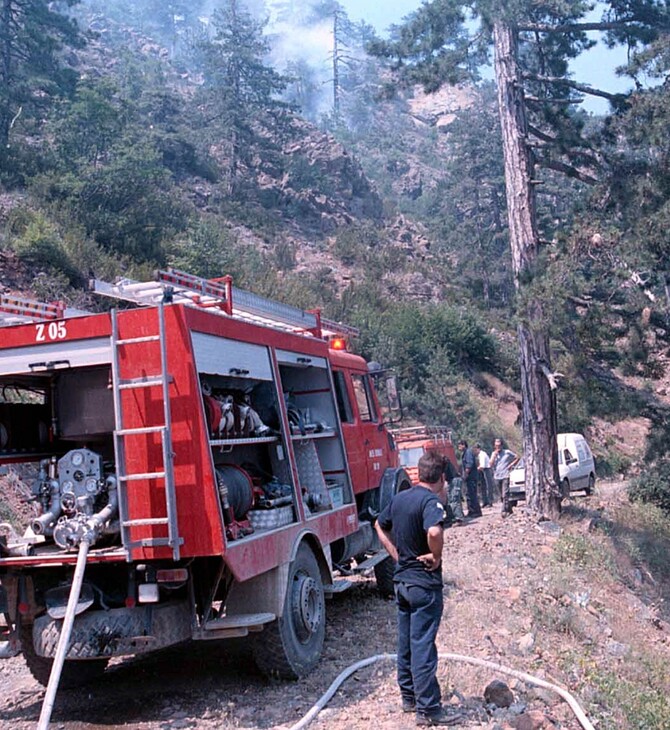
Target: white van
<point>576,467</point>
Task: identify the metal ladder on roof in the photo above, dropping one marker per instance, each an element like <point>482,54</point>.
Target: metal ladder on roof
<point>121,433</point>
<point>219,295</point>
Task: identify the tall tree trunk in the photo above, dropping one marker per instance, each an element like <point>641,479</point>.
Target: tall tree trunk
<point>537,386</point>
<point>336,67</point>
<point>6,16</point>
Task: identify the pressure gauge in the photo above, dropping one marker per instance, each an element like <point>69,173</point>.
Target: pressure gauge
<point>67,486</point>
<point>77,458</point>
<point>91,485</point>
<point>68,501</point>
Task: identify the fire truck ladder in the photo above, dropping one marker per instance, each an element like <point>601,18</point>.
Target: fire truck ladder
<point>220,296</point>
<point>125,478</point>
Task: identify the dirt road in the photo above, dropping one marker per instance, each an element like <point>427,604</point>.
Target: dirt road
<point>500,576</point>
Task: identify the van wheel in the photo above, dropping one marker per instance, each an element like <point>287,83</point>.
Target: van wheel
<point>591,485</point>
<point>290,647</point>
<point>565,489</point>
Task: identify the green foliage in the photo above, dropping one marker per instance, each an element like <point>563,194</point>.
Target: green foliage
<point>127,206</point>
<point>86,128</point>
<point>33,34</point>
<point>640,183</point>
<point>37,242</point>
<point>641,534</point>
<point>211,250</point>
<point>354,244</point>
<point>611,463</point>
<point>284,255</point>
<point>7,514</point>
<point>445,398</point>
<point>580,551</point>
<point>433,349</point>
<point>238,100</point>
<point>467,209</point>
<point>652,486</point>
<point>641,699</point>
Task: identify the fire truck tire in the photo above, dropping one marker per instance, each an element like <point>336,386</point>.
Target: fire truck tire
<point>290,647</point>
<point>75,673</point>
<point>384,575</point>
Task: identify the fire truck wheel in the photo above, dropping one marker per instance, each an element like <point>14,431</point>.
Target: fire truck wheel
<point>290,647</point>
<point>384,575</point>
<point>75,673</point>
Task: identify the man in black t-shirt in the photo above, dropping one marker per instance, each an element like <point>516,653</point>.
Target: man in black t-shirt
<point>411,530</point>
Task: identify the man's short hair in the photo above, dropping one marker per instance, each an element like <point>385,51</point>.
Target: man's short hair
<point>463,442</point>
<point>431,466</point>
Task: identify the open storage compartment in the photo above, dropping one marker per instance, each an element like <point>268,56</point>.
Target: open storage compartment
<point>315,431</point>
<point>249,453</point>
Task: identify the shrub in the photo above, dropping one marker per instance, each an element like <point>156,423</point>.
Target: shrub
<point>653,485</point>
<point>39,244</point>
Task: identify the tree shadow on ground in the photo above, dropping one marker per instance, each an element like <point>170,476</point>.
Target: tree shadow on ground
<point>218,682</point>
<point>640,542</point>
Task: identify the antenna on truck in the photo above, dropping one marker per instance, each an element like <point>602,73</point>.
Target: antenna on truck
<point>219,295</point>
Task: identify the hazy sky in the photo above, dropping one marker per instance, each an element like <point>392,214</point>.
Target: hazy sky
<point>380,13</point>
<point>595,67</point>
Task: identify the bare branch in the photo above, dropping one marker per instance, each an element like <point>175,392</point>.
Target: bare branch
<point>16,116</point>
<point>567,102</point>
<point>583,88</point>
<point>551,376</point>
<point>541,135</point>
<point>571,27</point>
<point>568,170</point>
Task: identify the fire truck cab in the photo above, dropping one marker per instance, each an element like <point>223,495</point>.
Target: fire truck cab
<point>214,451</point>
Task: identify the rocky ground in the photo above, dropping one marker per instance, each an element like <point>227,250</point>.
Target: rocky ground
<point>516,594</point>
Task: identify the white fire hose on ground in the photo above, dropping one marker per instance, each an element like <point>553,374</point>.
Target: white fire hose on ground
<point>65,633</point>
<point>530,679</point>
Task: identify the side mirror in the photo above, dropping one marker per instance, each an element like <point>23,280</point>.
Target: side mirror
<point>391,404</point>
<point>392,394</point>
<point>393,409</point>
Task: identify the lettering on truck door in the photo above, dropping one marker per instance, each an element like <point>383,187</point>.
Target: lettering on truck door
<point>373,439</point>
<point>356,454</point>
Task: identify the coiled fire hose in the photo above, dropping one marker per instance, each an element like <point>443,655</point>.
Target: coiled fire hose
<point>528,678</point>
<point>65,632</point>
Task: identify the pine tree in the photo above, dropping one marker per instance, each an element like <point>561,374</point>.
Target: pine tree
<point>32,33</point>
<point>532,43</point>
<point>239,96</point>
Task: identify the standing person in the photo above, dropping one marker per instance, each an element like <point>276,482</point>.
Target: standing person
<point>454,485</point>
<point>469,474</point>
<point>411,529</point>
<point>502,462</point>
<point>485,478</point>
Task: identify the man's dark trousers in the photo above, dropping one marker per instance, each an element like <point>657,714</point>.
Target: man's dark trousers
<point>474,508</point>
<point>419,614</point>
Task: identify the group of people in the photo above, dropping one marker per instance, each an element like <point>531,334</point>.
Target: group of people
<point>486,479</point>
<point>411,529</point>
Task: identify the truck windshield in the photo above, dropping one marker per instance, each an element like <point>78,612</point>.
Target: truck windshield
<point>410,457</point>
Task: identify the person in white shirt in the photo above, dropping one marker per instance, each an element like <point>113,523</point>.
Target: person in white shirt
<point>485,476</point>
<point>502,462</point>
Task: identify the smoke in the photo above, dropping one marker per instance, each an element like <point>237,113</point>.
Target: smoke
<point>300,35</point>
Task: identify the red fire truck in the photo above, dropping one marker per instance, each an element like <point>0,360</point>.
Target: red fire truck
<point>414,441</point>
<point>221,454</point>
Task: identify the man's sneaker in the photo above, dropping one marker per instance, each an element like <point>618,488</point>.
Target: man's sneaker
<point>441,718</point>
<point>408,706</point>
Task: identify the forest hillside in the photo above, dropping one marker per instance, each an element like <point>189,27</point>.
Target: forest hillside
<point>202,136</point>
